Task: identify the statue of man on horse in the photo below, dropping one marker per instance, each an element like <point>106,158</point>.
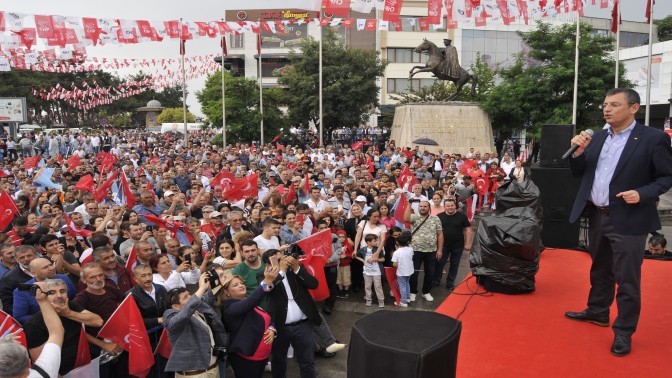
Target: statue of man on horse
<point>444,65</point>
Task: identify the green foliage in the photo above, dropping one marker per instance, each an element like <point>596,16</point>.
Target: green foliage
<point>539,87</point>
<point>18,83</point>
<point>349,84</point>
<point>664,28</point>
<point>243,116</point>
<point>169,115</point>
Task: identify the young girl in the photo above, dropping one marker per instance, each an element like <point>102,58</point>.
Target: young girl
<point>373,269</point>
<point>403,261</point>
<point>343,278</point>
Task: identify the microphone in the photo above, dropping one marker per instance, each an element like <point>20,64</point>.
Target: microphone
<point>575,147</point>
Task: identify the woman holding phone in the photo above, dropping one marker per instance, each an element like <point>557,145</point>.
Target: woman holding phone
<point>250,327</point>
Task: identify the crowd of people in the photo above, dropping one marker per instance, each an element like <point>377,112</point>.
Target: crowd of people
<point>229,287</point>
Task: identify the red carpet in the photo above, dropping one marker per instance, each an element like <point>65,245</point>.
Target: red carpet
<point>529,336</point>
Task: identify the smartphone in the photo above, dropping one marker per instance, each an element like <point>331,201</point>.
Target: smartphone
<point>214,279</point>
<point>187,258</point>
<point>274,260</point>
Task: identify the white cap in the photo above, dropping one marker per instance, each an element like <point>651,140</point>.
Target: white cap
<point>360,199</point>
<point>168,193</point>
<point>215,214</point>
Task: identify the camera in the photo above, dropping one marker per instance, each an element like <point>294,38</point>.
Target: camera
<point>219,352</point>
<point>28,287</point>
<point>293,251</point>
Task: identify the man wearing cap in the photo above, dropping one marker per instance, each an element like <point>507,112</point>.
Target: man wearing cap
<point>170,202</point>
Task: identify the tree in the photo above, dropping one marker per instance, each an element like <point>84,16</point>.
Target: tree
<point>169,115</point>
<point>539,87</point>
<point>242,108</point>
<point>349,78</point>
<point>440,90</point>
<point>664,28</point>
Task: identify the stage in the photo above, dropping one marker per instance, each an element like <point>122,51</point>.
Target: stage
<point>528,335</point>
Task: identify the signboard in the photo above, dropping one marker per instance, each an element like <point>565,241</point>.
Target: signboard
<point>13,109</point>
<point>291,36</point>
<point>636,72</point>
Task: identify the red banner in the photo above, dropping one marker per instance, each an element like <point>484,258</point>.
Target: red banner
<point>10,210</point>
<point>317,250</point>
<point>243,188</point>
<point>337,8</point>
<point>391,274</point>
<point>102,192</point>
<point>86,184</point>
<point>126,329</point>
<point>433,12</point>
<point>392,10</point>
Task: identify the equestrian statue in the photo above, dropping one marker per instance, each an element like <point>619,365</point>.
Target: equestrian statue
<point>444,65</point>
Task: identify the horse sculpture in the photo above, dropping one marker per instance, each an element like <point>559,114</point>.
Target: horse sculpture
<point>436,65</point>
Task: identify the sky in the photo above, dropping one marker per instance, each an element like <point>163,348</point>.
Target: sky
<point>210,10</point>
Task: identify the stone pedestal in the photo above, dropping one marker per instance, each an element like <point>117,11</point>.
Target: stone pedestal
<point>455,126</point>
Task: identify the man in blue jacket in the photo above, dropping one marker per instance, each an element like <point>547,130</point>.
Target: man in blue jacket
<point>624,167</point>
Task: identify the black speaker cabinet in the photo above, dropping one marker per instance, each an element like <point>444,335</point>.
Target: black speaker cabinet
<point>557,189</point>
<point>404,344</point>
<point>554,143</point>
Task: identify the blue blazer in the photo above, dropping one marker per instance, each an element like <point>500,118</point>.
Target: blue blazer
<point>25,304</point>
<point>645,166</point>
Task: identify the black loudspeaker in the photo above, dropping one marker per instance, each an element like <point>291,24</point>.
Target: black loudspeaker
<point>558,190</point>
<point>404,344</point>
<point>554,143</point>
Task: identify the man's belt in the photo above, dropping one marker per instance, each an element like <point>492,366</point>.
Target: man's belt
<point>604,210</point>
<point>197,372</point>
<point>296,323</point>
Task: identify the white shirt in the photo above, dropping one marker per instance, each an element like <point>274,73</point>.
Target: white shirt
<point>294,313</point>
<point>404,259</point>
<point>316,207</point>
<point>49,361</point>
<point>177,279</point>
<point>267,244</point>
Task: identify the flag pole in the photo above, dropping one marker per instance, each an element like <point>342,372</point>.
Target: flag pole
<point>184,88</point>
<point>223,94</point>
<point>320,87</point>
<point>576,69</point>
<point>617,50</point>
<point>648,67</point>
<point>261,97</point>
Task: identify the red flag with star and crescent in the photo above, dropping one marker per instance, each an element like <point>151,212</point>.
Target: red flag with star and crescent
<point>317,249</point>
<point>9,210</point>
<point>74,229</point>
<point>243,188</point>
<point>223,179</point>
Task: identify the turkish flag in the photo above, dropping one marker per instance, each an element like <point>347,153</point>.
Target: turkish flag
<point>9,325</point>
<point>106,161</point>
<point>276,138</point>
<point>9,210</point>
<point>291,195</point>
<point>407,176</point>
<point>162,223</point>
<point>73,162</point>
<point>223,179</point>
<point>306,185</point>
<point>31,162</point>
<point>132,259</point>
<point>74,229</point>
<point>128,193</point>
<point>83,352</point>
<point>400,210</point>
<point>279,146</point>
<point>467,166</point>
<point>482,185</point>
<point>126,329</point>
<point>243,188</point>
<point>163,348</point>
<point>86,184</point>
<point>615,20</point>
<point>3,173</point>
<point>391,274</point>
<point>102,192</point>
<point>337,8</point>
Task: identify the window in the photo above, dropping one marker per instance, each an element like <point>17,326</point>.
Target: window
<point>237,41</point>
<point>405,55</point>
<point>403,85</point>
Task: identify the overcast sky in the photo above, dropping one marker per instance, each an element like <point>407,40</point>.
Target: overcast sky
<point>209,10</point>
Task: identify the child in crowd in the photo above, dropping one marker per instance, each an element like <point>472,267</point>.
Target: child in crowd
<point>403,261</point>
<point>373,269</point>
<point>343,279</point>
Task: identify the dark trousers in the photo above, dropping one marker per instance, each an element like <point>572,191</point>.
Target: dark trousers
<point>301,338</point>
<point>242,367</point>
<point>114,368</point>
<point>357,274</point>
<point>428,259</point>
<point>617,259</point>
<point>331,274</point>
<point>455,255</point>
